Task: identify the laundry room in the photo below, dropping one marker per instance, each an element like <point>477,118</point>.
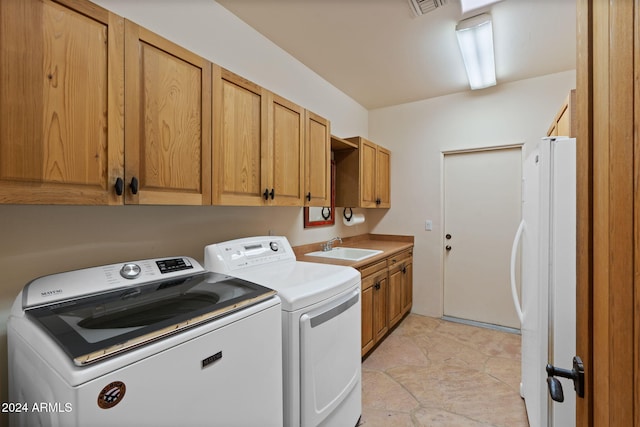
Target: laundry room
<point>119,206</point>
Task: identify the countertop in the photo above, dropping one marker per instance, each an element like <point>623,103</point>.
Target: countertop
<point>388,244</point>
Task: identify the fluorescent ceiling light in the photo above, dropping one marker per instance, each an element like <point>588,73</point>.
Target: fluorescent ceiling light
<point>475,37</point>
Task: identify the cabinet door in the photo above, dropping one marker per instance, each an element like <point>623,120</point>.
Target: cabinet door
<point>368,160</point>
<point>168,121</point>
<point>239,129</point>
<point>368,337</point>
<point>407,286</point>
<point>396,280</point>
<point>380,319</point>
<point>285,158</point>
<point>317,190</point>
<point>61,102</point>
<point>383,177</point>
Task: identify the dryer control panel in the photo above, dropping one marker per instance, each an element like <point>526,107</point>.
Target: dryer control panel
<point>248,252</point>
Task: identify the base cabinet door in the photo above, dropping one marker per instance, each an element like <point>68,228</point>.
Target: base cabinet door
<point>380,319</point>
<point>61,103</point>
<point>374,304</point>
<point>396,284</point>
<point>407,287</point>
<point>368,338</point>
<point>387,296</point>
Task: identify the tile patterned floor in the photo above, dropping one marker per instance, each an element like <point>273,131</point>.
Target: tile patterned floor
<point>435,373</point>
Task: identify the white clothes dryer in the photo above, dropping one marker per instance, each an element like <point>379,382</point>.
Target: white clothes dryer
<point>157,342</point>
<point>321,319</point>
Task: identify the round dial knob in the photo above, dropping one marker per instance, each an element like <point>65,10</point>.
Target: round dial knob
<point>274,246</point>
<point>130,271</point>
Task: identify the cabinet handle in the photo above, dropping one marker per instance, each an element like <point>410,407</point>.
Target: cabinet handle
<point>309,196</point>
<point>377,285</point>
<point>134,185</point>
<point>404,270</point>
<point>119,186</point>
<point>273,193</point>
<point>266,194</point>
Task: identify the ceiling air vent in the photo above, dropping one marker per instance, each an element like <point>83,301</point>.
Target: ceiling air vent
<point>420,7</point>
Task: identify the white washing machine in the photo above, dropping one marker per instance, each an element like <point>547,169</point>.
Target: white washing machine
<point>157,342</point>
<point>320,322</point>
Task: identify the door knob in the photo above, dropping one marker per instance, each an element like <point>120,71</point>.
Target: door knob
<point>576,375</point>
<point>448,247</point>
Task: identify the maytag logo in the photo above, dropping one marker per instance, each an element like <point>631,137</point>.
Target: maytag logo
<point>51,292</point>
<point>211,359</point>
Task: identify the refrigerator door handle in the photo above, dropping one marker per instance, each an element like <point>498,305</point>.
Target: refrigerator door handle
<point>514,252</point>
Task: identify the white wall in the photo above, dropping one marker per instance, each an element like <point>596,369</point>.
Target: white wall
<point>418,133</point>
<point>40,240</point>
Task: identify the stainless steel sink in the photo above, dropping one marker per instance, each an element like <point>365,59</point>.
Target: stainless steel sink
<point>347,254</point>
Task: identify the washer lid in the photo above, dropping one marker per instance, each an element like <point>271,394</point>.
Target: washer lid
<point>300,284</point>
<point>98,326</point>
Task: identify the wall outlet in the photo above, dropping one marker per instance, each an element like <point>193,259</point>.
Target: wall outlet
<point>428,225</point>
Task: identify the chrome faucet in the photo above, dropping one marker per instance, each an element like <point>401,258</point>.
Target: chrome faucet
<point>329,245</point>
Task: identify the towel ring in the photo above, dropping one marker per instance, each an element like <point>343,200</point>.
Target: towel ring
<point>326,215</point>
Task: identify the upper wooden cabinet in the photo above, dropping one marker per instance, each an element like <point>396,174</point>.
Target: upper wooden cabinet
<point>564,123</point>
<point>61,102</point>
<point>64,136</point>
<point>285,158</point>
<point>266,149</point>
<point>317,162</point>
<point>239,127</point>
<point>168,122</point>
<point>363,175</point>
<point>383,177</point>
<point>95,109</point>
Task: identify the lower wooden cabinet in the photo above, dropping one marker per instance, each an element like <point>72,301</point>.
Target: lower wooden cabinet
<point>374,304</point>
<point>387,296</point>
<point>400,285</point>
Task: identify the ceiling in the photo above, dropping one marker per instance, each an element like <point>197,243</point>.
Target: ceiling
<point>380,54</point>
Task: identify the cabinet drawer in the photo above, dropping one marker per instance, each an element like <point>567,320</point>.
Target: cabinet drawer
<point>370,269</point>
<point>399,257</point>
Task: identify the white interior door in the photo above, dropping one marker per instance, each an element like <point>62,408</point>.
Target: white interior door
<point>482,211</point>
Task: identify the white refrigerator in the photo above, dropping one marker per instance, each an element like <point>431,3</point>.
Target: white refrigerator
<point>546,240</point>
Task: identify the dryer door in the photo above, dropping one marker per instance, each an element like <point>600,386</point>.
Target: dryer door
<point>330,365</point>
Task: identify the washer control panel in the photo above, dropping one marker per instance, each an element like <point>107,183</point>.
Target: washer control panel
<point>88,281</point>
<point>248,252</point>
